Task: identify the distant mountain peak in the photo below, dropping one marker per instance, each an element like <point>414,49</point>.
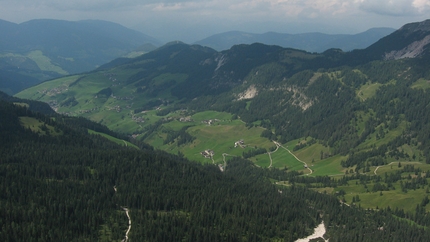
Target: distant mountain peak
<point>312,42</point>
<point>412,39</point>
<point>423,26</point>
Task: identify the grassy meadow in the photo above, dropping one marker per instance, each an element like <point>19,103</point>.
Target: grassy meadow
<point>113,139</point>
<point>38,126</point>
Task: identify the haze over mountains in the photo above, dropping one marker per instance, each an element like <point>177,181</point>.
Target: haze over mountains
<point>312,42</point>
<point>39,50</point>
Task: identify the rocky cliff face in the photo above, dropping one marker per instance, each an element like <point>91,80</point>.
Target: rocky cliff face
<point>413,50</point>
<point>418,35</point>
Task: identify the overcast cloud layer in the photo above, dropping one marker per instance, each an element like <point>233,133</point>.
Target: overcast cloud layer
<point>191,20</point>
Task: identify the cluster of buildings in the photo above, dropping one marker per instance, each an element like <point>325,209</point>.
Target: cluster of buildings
<point>185,119</point>
<point>240,143</point>
<point>210,121</point>
<point>207,153</point>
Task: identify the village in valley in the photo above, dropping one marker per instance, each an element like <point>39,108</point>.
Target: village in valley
<point>208,153</point>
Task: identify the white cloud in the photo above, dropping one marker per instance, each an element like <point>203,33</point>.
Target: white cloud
<point>204,17</point>
<point>422,6</point>
<point>395,7</point>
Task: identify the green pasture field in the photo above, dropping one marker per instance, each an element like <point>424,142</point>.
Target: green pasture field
<point>113,139</point>
<point>44,63</point>
<point>206,115</point>
<point>219,137</point>
<point>374,200</point>
<point>389,136</point>
<point>394,166</point>
<point>115,111</point>
<point>328,167</point>
<point>262,160</point>
<point>421,84</point>
<point>392,198</point>
<point>45,90</point>
<point>311,153</point>
<point>280,159</point>
<point>312,156</point>
<point>412,150</point>
<point>223,133</point>
<point>368,90</point>
<point>177,125</point>
<point>22,104</point>
<point>35,125</point>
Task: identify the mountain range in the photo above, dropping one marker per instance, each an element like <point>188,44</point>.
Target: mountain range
<point>312,42</point>
<point>39,50</point>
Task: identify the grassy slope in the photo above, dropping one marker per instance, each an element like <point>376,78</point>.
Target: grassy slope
<point>367,91</point>
<point>115,111</point>
<point>219,137</point>
<point>36,125</point>
<point>43,62</point>
<point>421,84</point>
<point>113,139</point>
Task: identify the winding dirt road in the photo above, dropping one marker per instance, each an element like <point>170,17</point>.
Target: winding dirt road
<point>270,154</point>
<point>222,168</point>
<point>129,224</point>
<point>382,166</point>
<point>128,216</point>
<point>297,158</point>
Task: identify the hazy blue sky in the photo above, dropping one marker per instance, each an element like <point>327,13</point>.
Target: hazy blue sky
<point>192,20</point>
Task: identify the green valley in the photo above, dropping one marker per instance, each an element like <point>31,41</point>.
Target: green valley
<point>335,119</point>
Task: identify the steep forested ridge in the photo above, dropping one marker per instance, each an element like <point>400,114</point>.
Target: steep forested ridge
<point>61,187</point>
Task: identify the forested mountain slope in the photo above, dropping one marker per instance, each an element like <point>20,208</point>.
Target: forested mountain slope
<point>60,183</point>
